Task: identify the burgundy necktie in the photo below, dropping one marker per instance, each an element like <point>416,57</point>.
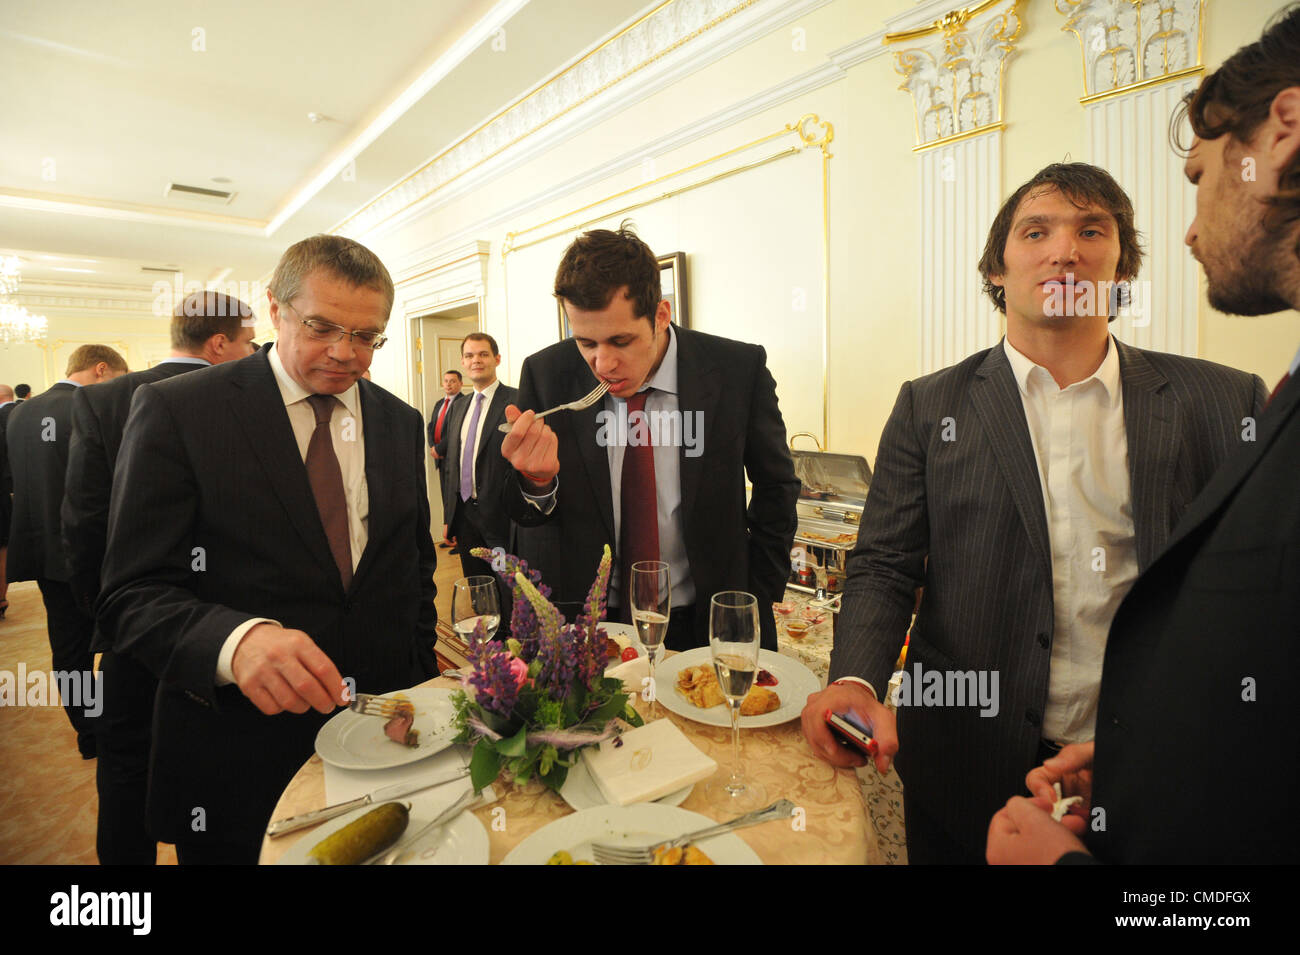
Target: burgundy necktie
<point>327,486</point>
<point>638,502</point>
<point>1278,387</point>
<point>437,428</point>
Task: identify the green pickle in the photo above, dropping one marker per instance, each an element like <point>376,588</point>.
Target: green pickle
<point>360,839</point>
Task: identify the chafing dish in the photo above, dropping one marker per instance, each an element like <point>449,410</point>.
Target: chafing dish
<point>831,497</point>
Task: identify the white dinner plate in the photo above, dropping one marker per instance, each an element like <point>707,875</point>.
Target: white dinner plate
<point>463,841</point>
<point>795,683</point>
<point>581,792</point>
<point>643,824</point>
<point>353,741</point>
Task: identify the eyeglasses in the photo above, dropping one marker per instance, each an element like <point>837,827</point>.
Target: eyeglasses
<point>319,331</point>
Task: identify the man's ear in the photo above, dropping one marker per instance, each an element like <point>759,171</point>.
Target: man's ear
<point>1283,140</point>
<point>663,315</point>
<point>274,308</point>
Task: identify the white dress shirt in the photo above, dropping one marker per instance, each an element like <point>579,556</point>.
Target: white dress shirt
<point>488,394</point>
<point>1081,447</point>
<point>350,448</point>
<point>668,479</point>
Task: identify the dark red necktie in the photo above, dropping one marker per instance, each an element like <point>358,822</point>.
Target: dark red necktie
<point>437,428</point>
<point>327,486</point>
<point>1278,387</point>
<point>638,502</point>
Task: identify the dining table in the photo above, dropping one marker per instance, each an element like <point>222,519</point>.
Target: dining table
<point>830,824</point>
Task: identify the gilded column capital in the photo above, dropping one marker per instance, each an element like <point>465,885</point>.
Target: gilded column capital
<point>1127,44</point>
<point>953,68</point>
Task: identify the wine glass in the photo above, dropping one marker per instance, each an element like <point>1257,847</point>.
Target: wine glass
<point>734,642</point>
<point>474,599</point>
<point>650,593</point>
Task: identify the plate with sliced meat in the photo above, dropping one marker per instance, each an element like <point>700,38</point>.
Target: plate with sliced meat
<point>353,741</point>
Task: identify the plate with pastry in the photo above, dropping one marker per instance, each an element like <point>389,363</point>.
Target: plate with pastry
<point>567,841</point>
<point>688,686</point>
<point>353,741</point>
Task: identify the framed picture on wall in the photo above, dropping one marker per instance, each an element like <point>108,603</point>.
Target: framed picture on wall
<point>672,286</point>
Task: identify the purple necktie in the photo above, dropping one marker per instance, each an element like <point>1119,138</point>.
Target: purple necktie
<point>467,452</point>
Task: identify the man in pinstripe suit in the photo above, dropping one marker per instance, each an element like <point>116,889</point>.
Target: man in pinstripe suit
<point>1024,488</point>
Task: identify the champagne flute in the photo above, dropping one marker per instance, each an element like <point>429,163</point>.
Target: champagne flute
<point>734,642</point>
<point>474,599</point>
<point>650,593</point>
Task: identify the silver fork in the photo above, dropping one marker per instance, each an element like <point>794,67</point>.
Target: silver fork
<point>367,704</point>
<point>586,401</point>
<point>643,855</point>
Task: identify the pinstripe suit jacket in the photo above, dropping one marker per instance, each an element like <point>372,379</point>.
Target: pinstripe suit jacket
<point>965,518</point>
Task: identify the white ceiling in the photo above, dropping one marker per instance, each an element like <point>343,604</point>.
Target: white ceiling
<point>108,103</point>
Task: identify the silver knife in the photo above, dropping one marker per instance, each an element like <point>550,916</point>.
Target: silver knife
<point>391,855</point>
<point>387,794</point>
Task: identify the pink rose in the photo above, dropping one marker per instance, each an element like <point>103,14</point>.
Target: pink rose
<point>520,670</point>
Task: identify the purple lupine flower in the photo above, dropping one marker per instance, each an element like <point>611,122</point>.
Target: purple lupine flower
<point>593,609</point>
<point>496,684</point>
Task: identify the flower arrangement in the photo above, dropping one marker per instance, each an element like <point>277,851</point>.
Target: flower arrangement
<point>531,702</point>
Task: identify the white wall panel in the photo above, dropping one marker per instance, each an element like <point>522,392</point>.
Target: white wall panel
<point>1128,135</point>
<point>960,189</point>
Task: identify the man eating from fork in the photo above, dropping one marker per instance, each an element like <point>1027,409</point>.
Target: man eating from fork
<point>656,467</point>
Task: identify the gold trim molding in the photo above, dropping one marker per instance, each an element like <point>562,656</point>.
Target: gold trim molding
<point>956,77</point>
<point>1133,44</point>
<point>659,32</point>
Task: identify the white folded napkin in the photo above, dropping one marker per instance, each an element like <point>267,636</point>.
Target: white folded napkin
<point>654,760</point>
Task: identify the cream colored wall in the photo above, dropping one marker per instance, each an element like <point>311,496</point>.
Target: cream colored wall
<point>141,341</point>
<point>874,337</point>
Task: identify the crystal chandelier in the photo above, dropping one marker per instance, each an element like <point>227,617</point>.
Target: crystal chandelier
<point>16,323</point>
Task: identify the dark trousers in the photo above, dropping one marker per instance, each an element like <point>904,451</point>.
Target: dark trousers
<point>122,774</point>
<point>928,843</point>
<point>70,631</point>
<point>468,531</point>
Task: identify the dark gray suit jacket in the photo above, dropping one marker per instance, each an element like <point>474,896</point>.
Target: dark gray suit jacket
<point>966,520</point>
<point>213,523</point>
<point>1203,671</point>
<point>489,466</point>
<point>37,436</point>
<point>730,546</point>
<point>99,414</point>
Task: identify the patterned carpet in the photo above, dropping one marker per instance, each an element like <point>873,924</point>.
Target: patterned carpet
<point>48,803</point>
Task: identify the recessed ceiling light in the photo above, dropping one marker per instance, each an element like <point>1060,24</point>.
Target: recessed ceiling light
<point>320,118</point>
<point>221,179</point>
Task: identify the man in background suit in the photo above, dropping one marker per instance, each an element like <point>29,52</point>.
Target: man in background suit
<point>1195,755</point>
<point>268,536</point>
<point>207,328</point>
<point>1024,488</point>
<point>475,472</point>
<point>7,405</point>
<point>452,383</point>
<point>38,434</point>
<point>576,485</point>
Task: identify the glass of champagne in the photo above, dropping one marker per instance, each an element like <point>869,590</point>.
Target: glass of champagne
<point>734,642</point>
<point>650,593</point>
<point>474,599</point>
